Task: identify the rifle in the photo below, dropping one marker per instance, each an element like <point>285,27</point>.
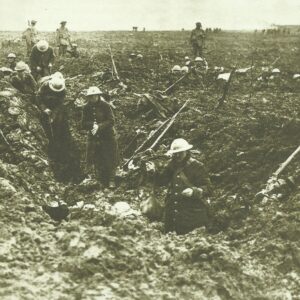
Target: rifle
<point>114,69</point>
<point>172,120</point>
<point>226,89</point>
<point>169,123</point>
<point>8,144</point>
<point>274,178</point>
<point>139,149</point>
<point>176,82</point>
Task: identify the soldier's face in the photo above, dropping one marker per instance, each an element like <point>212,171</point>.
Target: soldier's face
<point>93,98</point>
<point>11,59</point>
<point>21,74</point>
<point>180,156</point>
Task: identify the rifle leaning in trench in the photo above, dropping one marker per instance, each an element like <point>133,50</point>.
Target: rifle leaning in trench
<point>175,83</point>
<point>11,150</point>
<point>114,68</point>
<point>169,123</point>
<point>226,90</point>
<point>274,178</point>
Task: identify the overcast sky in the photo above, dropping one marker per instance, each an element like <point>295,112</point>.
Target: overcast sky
<point>152,14</point>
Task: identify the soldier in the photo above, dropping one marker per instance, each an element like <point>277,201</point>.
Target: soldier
<point>102,148</point>
<point>11,61</point>
<point>61,149</point>
<point>197,39</point>
<point>189,185</point>
<point>63,38</point>
<point>31,36</point>
<point>41,59</point>
<point>23,80</point>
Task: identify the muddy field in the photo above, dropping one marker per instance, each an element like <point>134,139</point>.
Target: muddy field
<point>251,251</point>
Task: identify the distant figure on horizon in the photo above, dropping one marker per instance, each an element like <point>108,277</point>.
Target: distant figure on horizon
<point>31,36</point>
<point>197,40</point>
<point>63,38</point>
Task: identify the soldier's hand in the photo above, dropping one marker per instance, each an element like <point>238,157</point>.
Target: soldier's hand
<point>50,65</point>
<point>95,129</point>
<point>150,167</point>
<point>47,111</point>
<point>187,192</point>
<point>38,68</point>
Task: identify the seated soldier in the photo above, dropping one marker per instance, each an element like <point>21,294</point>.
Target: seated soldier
<point>23,80</point>
<point>11,61</point>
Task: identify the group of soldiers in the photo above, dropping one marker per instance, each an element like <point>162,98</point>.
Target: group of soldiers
<point>188,181</point>
<point>63,39</point>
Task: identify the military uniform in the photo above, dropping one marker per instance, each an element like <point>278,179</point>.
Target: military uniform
<point>42,60</point>
<point>183,214</point>
<point>102,148</point>
<point>27,85</point>
<point>197,41</point>
<point>12,65</point>
<point>61,150</point>
<point>30,36</point>
<point>63,40</point>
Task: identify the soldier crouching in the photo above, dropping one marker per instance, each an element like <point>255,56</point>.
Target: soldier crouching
<point>186,206</point>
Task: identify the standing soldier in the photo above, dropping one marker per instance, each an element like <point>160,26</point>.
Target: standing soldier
<point>30,36</point>
<point>63,38</point>
<point>11,61</point>
<point>189,185</point>
<point>41,59</point>
<point>23,80</point>
<point>197,39</point>
<point>102,148</point>
<point>61,149</point>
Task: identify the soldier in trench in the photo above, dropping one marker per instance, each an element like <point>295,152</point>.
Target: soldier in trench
<point>102,152</point>
<point>62,150</point>
<point>186,205</point>
<point>23,81</point>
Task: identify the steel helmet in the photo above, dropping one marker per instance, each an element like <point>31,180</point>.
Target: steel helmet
<point>21,66</point>
<point>198,58</point>
<point>11,55</point>
<point>57,84</point>
<point>57,75</point>
<point>74,45</point>
<point>93,90</point>
<point>139,56</point>
<point>179,145</point>
<point>275,70</point>
<point>185,69</point>
<point>42,45</point>
<point>176,68</point>
<point>186,58</point>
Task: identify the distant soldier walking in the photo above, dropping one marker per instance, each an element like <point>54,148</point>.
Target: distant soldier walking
<point>41,59</point>
<point>197,40</point>
<point>63,38</point>
<point>31,36</point>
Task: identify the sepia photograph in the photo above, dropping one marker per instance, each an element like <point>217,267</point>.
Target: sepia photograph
<point>149,150</point>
